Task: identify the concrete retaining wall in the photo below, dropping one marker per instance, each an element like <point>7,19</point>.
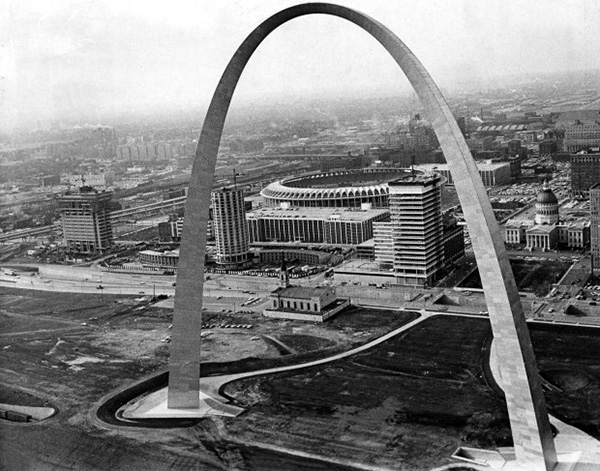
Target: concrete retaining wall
<point>301,316</point>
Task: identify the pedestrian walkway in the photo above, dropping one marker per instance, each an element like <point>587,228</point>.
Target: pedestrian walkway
<point>154,405</point>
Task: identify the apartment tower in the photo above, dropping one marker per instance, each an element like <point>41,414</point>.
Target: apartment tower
<point>231,229</point>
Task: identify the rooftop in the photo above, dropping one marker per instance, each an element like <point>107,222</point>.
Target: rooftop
<point>301,292</point>
<point>541,229</point>
<point>342,214</point>
<point>518,223</point>
<point>481,165</point>
<point>169,253</point>
<point>415,179</point>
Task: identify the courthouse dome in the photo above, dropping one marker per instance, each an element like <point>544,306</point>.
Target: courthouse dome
<point>546,195</point>
<point>546,207</point>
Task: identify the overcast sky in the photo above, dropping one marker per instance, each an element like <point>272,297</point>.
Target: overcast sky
<point>86,59</point>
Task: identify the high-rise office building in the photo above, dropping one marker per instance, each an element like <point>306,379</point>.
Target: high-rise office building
<point>86,221</point>
<point>417,228</point>
<point>231,229</point>
<point>585,171</point>
<point>595,226</point>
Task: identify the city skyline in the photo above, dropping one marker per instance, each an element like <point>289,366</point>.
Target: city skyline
<point>76,60</point>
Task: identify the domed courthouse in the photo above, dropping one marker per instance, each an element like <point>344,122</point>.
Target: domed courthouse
<point>546,207</point>
<point>547,231</point>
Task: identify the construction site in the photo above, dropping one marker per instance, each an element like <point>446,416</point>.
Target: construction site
<point>406,403</point>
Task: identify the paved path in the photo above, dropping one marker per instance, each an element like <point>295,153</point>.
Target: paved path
<point>155,406</point>
<point>577,451</point>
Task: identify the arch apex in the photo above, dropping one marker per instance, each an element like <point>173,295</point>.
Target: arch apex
<point>534,445</point>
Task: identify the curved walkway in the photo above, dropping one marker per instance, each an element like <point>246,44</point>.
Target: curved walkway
<point>154,406</point>
<point>577,451</point>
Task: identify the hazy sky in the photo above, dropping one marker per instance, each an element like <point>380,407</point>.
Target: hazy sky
<point>92,59</point>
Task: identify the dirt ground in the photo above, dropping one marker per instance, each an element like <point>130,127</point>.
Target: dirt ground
<point>406,404</point>
<point>409,402</point>
<point>69,351</point>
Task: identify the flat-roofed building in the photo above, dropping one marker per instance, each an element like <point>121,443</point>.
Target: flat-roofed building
<point>595,226</point>
<point>340,226</point>
<point>585,171</point>
<point>492,173</point>
<point>310,257</point>
<point>481,144</point>
<point>85,219</point>
<point>231,229</point>
<point>417,229</point>
<point>313,304</point>
<point>581,136</point>
<point>154,258</point>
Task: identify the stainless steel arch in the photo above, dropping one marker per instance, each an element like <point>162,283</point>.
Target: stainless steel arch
<point>534,445</point>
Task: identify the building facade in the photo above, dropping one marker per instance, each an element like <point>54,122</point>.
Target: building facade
<point>574,234</point>
<point>153,258</point>
<point>343,226</point>
<point>171,230</point>
<point>595,226</point>
<point>310,257</point>
<point>581,136</point>
<point>543,237</point>
<point>85,219</point>
<point>314,304</point>
<point>384,243</point>
<point>417,229</point>
<point>585,171</point>
<point>515,231</point>
<point>231,229</point>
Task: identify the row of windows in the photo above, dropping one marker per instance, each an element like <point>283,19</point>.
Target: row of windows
<point>294,305</point>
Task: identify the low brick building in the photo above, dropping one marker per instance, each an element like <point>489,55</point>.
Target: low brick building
<point>304,303</point>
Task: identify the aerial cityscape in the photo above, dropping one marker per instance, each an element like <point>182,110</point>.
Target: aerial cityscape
<point>293,267</point>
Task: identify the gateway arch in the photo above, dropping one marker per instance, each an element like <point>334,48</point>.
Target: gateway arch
<point>534,445</point>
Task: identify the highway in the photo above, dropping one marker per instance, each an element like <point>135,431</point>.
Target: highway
<point>86,280</point>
